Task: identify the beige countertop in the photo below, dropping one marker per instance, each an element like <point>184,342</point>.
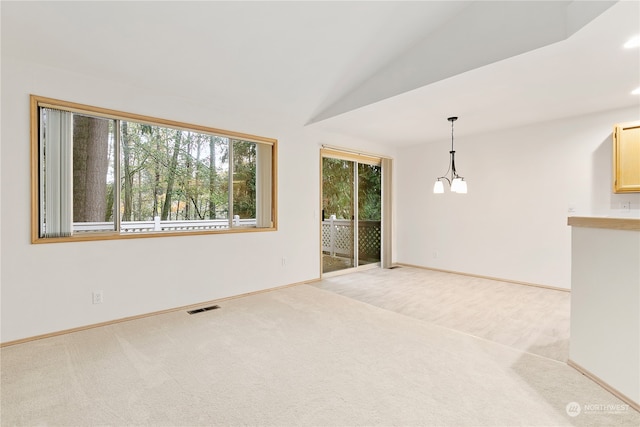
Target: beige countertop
<point>631,224</point>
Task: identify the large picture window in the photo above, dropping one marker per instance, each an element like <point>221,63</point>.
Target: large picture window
<point>103,174</point>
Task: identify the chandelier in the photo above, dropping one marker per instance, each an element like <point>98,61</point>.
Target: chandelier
<point>456,182</point>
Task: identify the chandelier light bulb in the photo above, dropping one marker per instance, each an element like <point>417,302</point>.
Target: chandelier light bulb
<point>438,187</point>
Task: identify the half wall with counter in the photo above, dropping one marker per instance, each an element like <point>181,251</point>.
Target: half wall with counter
<point>605,303</point>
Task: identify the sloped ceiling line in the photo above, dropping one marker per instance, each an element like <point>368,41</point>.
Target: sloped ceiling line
<point>480,34</point>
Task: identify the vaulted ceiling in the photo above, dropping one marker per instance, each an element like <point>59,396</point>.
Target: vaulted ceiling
<point>390,72</point>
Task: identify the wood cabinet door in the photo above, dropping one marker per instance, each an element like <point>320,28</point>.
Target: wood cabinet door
<point>626,157</point>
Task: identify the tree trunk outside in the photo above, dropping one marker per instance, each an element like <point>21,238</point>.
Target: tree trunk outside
<point>212,177</point>
<point>172,176</point>
<point>156,182</point>
<point>90,168</point>
<point>187,186</point>
<point>128,175</point>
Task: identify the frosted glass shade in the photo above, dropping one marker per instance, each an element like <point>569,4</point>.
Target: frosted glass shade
<point>455,185</point>
<point>438,187</point>
<point>462,187</point>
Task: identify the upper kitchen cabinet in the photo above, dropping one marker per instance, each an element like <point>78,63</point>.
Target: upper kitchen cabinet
<point>626,157</point>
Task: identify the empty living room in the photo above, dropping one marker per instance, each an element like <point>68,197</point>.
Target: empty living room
<point>320,213</point>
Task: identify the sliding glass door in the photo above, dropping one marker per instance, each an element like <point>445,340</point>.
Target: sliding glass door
<point>369,213</point>
<point>351,210</point>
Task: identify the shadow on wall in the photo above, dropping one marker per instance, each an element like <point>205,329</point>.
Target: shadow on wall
<point>603,200</point>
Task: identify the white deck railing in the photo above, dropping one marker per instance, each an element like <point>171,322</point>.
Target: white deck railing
<point>158,225</point>
<point>337,238</point>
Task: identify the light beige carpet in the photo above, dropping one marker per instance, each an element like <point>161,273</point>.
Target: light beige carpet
<point>293,357</point>
<point>527,318</point>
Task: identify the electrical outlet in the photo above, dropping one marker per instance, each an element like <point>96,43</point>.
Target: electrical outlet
<point>97,297</point>
<point>626,206</point>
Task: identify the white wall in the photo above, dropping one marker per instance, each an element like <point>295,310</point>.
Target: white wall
<point>513,222</point>
<point>48,287</point>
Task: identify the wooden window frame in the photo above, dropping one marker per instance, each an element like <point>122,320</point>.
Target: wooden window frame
<point>37,102</point>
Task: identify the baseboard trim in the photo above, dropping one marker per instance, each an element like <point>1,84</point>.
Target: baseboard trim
<point>154,313</point>
<point>626,399</point>
<point>536,285</point>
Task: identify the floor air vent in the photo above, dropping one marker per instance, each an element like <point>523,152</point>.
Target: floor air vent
<point>200,310</point>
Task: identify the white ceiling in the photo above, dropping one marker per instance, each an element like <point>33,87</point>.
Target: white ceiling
<point>291,61</point>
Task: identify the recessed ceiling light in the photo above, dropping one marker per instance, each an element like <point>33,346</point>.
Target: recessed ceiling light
<point>636,91</point>
<point>633,42</point>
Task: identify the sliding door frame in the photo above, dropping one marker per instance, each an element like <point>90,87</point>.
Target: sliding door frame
<point>385,221</point>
